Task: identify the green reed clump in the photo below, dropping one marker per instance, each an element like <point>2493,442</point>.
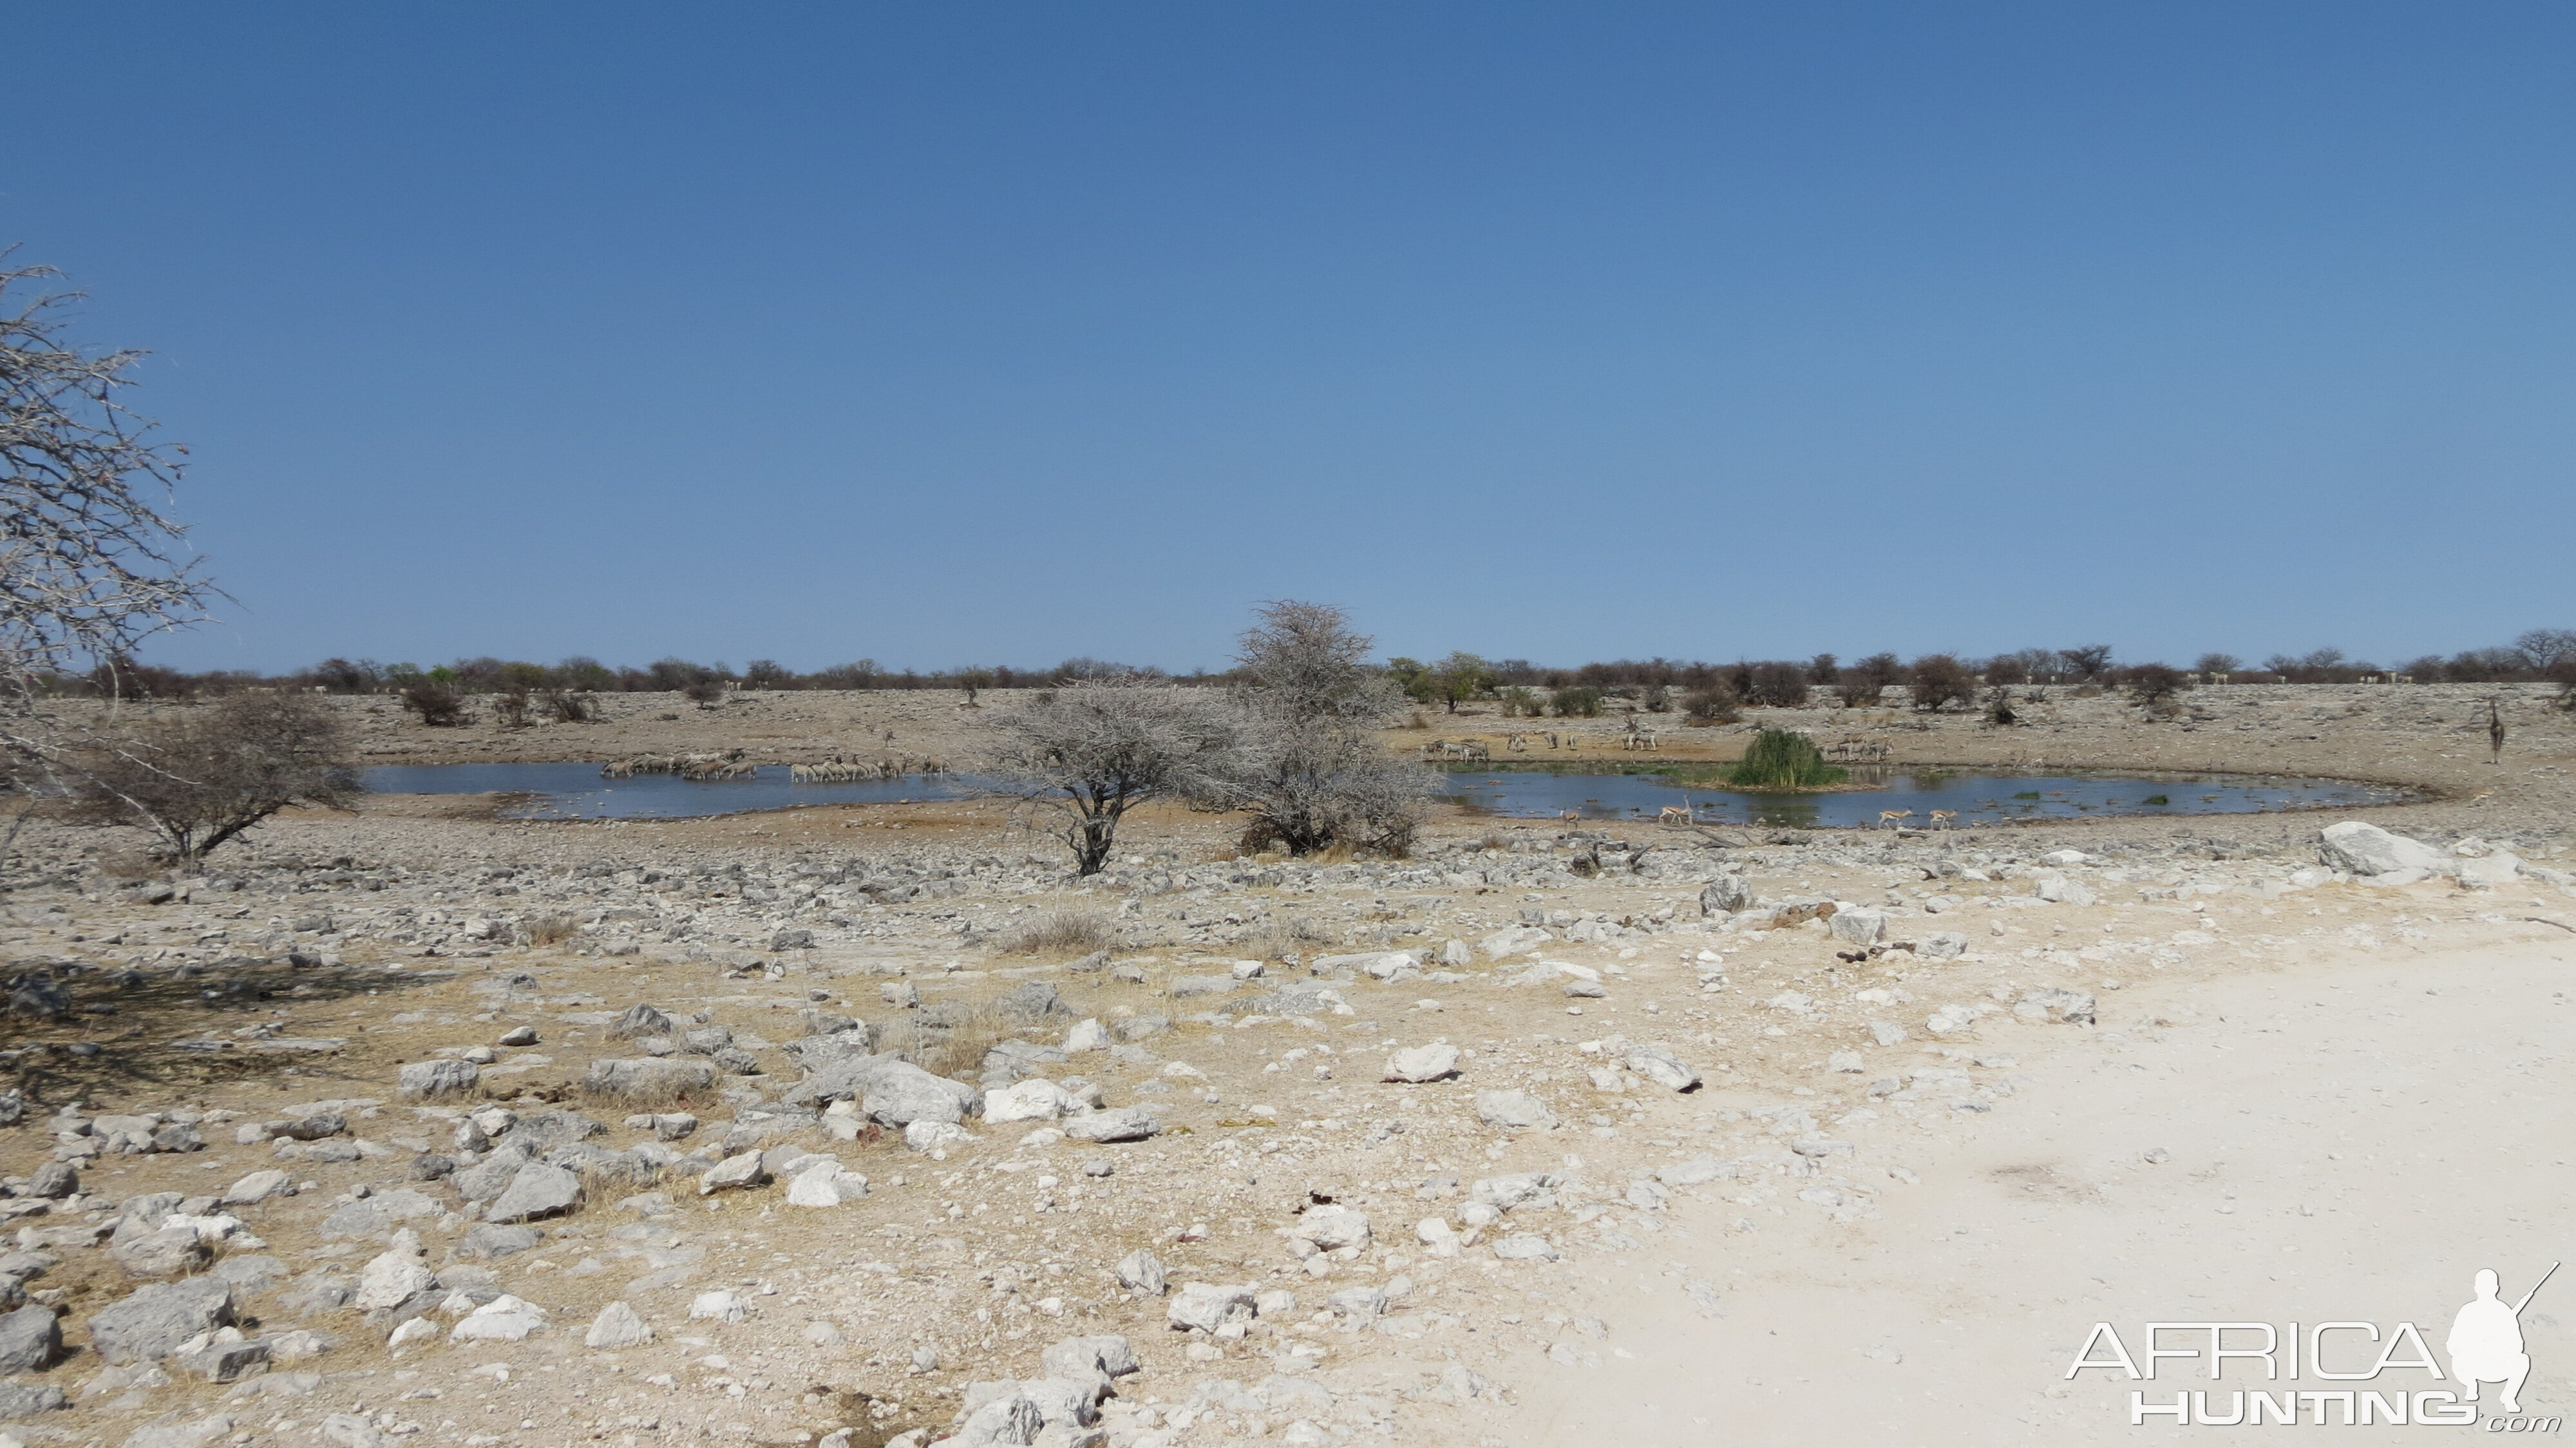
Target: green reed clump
<point>1780,759</point>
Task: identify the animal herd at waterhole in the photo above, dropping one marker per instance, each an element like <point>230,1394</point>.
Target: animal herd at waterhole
<point>732,764</point>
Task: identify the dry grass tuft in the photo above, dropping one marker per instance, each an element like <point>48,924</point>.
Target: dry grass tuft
<point>1062,932</point>
<point>1283,936</point>
<point>549,929</point>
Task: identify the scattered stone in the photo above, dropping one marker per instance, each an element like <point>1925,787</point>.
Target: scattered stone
<point>157,1318</point>
<point>1525,1249</point>
<point>825,1186</point>
<point>1036,1099</point>
<point>1942,945</point>
<point>503,1319</point>
<point>1142,1271</point>
<point>744,1170</point>
<point>20,1402</point>
<point>537,1190</point>
<point>2066,1007</point>
<point>1125,1123</point>
<point>221,1356</point>
<point>1725,895</point>
<point>2058,890</point>
<point>393,1276</point>
<point>423,1080</point>
<point>173,1251</point>
<point>1089,1358</point>
<point>1423,1063</point>
<point>30,1339</point>
<point>934,1136</point>
<point>1663,1067</point>
<point>54,1181</point>
<point>1206,1306</point>
<point>1858,926</point>
<point>257,1187</point>
<point>617,1326</point>
<point>641,1021</point>
<point>717,1307</point>
<point>489,1240</point>
<point>2366,849</point>
<point>647,1078</point>
<point>900,1093</point>
<point>1329,1227</point>
<point>1513,1110</point>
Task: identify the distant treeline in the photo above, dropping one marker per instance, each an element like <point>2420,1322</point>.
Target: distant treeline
<point>583,674</point>
<point>2538,656</point>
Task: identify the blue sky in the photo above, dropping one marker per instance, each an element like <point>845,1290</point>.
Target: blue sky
<point>939,334</point>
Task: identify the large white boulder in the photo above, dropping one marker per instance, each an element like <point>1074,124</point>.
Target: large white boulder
<point>2365,849</point>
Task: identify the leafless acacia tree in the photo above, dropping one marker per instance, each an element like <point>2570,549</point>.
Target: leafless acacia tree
<point>89,565</point>
<point>195,778</point>
<point>1307,762</point>
<point>1091,752</point>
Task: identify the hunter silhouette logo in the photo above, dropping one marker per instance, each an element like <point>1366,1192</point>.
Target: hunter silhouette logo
<point>2486,1341</point>
<point>2360,1368</point>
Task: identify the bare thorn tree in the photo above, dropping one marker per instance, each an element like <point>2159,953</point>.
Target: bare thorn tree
<point>1092,752</point>
<point>197,777</point>
<point>89,565</point>
<point>1307,762</point>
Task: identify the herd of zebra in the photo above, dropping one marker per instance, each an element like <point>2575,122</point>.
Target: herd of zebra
<point>732,765</point>
<point>1520,744</point>
<point>837,770</point>
<point>728,765</point>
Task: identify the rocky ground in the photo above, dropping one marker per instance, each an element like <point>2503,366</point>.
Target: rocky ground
<point>863,1125</point>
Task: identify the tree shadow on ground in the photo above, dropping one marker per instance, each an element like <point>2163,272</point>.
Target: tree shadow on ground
<point>124,1032</point>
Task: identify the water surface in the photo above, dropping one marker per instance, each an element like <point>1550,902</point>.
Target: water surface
<point>1976,798</point>
<point>575,791</point>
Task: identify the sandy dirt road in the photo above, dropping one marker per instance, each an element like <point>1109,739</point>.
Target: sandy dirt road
<point>2349,1139</point>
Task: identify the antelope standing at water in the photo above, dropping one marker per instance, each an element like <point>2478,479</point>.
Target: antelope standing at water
<point>1675,814</point>
<point>1890,817</point>
<point>1943,819</point>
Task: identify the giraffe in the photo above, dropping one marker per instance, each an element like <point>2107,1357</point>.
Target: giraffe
<point>2495,734</point>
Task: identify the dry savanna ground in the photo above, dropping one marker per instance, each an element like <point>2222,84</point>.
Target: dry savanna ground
<point>1699,1160</point>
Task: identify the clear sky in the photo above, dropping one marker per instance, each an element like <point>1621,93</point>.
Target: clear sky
<point>1006,332</point>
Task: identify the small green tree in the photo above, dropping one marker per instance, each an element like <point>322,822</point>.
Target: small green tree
<point>1579,701</point>
<point>1460,676</point>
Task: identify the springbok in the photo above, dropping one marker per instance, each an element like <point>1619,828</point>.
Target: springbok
<point>1571,816</point>
<point>1675,814</point>
<point>1890,817</point>
<point>1942,818</point>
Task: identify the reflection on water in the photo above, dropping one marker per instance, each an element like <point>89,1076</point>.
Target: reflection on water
<point>1913,795</point>
<point>575,791</point>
